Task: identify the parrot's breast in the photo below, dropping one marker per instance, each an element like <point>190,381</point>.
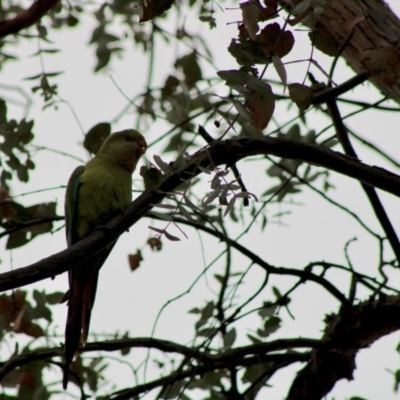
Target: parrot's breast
<point>105,190</point>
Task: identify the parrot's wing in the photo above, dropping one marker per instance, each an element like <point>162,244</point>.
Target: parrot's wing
<point>71,221</point>
<point>71,205</point>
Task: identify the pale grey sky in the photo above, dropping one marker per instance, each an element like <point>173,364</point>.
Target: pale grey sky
<point>130,301</point>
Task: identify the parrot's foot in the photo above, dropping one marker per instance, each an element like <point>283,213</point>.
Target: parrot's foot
<point>102,228</point>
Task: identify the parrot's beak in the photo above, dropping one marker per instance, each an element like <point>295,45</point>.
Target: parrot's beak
<point>142,147</point>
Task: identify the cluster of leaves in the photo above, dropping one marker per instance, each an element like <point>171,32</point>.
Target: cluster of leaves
<point>208,329</point>
<point>15,137</point>
<point>18,316</point>
<point>222,190</point>
<point>285,169</point>
<point>24,223</point>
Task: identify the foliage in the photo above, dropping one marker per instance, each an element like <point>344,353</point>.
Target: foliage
<point>212,121</point>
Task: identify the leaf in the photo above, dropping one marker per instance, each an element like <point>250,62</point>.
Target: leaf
<point>216,182</point>
<point>103,54</point>
<point>397,380</point>
<point>230,186</point>
<point>161,164</point>
<point>125,351</point>
<point>41,75</point>
<point>96,136</point>
<point>229,338</point>
<point>302,95</point>
<point>190,67</point>
<point>207,311</point>
<point>241,109</point>
<point>204,170</point>
<point>17,239</point>
<point>382,63</point>
<point>209,198</point>
<point>210,19</point>
<point>234,77</point>
<point>160,231</point>
<point>280,69</point>
<point>207,332</point>
<point>152,177</point>
<point>254,339</point>
<point>134,260</point>
<point>230,206</point>
<point>171,237</point>
<point>3,111</point>
<point>186,214</point>
<point>190,204</point>
<point>155,243</point>
<point>219,278</point>
<point>276,292</point>
<point>54,298</point>
<point>151,9</point>
<point>273,41</point>
<point>324,41</point>
<point>267,311</point>
<point>48,51</point>
<point>246,195</point>
<point>254,372</point>
<point>271,325</point>
<point>261,106</point>
<point>250,14</point>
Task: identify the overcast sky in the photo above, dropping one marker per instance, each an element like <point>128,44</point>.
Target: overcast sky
<point>131,301</point>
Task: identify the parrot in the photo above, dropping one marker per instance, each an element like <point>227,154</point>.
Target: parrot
<point>95,194</point>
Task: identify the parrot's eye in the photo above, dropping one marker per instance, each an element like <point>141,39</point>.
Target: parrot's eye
<point>129,138</point>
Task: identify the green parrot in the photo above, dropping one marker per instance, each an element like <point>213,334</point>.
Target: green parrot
<point>95,194</point>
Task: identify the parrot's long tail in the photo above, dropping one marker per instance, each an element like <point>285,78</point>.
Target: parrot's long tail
<point>73,327</point>
<point>82,293</point>
<point>66,375</point>
<point>80,305</point>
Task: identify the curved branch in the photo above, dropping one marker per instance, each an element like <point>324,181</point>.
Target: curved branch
<point>304,274</point>
<point>24,225</point>
<point>26,18</point>
<point>203,357</point>
<point>283,359</point>
<point>220,153</point>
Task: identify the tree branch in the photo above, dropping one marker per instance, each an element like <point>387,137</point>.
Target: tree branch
<point>376,204</point>
<point>305,275</point>
<point>26,18</point>
<point>348,332</point>
<point>220,153</point>
<point>190,372</point>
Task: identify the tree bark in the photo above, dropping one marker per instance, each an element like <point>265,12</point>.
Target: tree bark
<point>380,27</point>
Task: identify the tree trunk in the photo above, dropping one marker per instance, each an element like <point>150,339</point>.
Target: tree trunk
<point>380,27</point>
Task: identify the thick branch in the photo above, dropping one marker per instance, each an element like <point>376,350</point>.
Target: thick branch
<point>26,18</point>
<point>347,333</point>
<point>220,153</point>
<point>377,206</point>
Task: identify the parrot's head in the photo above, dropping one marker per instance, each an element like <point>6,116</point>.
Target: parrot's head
<point>125,148</point>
